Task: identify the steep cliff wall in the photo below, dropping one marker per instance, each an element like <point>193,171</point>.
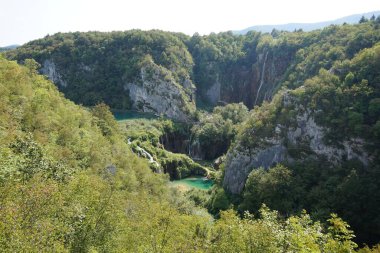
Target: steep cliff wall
<point>300,138</point>
<point>155,91</point>
<point>159,93</point>
<point>50,70</point>
<point>95,67</point>
<point>251,82</point>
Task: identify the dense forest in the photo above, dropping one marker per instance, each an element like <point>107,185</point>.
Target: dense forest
<point>287,125</point>
<point>97,67</point>
<point>61,192</point>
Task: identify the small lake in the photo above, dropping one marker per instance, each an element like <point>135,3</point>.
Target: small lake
<point>125,115</point>
<point>201,183</point>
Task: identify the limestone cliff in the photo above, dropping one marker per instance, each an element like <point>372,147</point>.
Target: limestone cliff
<point>303,135</point>
<point>241,161</point>
<point>251,83</point>
<point>155,90</point>
<point>213,93</point>
<point>50,69</point>
<point>158,92</point>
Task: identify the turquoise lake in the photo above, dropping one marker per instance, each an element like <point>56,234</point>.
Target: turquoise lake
<point>201,183</point>
<point>198,182</point>
<point>125,115</point>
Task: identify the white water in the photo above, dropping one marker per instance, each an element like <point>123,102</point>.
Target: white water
<point>261,77</point>
<point>144,153</point>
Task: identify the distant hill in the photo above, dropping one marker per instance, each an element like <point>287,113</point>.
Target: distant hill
<point>309,26</point>
<point>2,49</point>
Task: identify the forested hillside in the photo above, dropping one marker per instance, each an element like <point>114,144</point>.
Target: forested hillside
<point>287,119</point>
<point>113,67</point>
<point>69,183</point>
<point>327,134</point>
<point>123,69</point>
<point>252,68</point>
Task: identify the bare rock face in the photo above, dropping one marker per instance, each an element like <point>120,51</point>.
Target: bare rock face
<point>304,134</point>
<point>213,94</point>
<point>49,69</point>
<point>307,131</point>
<point>154,91</point>
<point>241,161</point>
<point>250,83</point>
<point>159,93</point>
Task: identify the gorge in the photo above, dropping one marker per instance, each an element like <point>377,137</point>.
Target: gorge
<point>288,119</point>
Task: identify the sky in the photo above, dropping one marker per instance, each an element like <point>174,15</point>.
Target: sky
<point>25,20</point>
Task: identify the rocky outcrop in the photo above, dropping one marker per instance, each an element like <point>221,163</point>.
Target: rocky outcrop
<point>251,83</point>
<point>155,90</point>
<point>158,92</point>
<point>49,69</point>
<point>241,161</point>
<point>308,132</point>
<point>213,94</point>
<point>303,137</point>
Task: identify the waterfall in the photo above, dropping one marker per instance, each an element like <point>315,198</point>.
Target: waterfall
<point>261,78</point>
<point>190,145</point>
<point>145,154</point>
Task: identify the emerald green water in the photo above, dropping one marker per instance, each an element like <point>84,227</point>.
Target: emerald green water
<point>194,182</point>
<point>125,115</point>
<point>201,183</point>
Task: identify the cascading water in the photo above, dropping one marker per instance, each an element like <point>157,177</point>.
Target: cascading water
<point>261,78</point>
<point>145,154</point>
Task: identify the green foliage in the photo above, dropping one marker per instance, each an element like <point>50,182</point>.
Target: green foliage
<point>363,20</point>
<point>226,59</point>
<point>321,188</point>
<point>271,234</point>
<point>150,135</point>
<point>215,132</point>
<point>64,181</point>
<point>69,181</point>
<point>97,65</point>
<point>105,120</point>
<point>345,104</point>
<point>262,121</point>
<point>219,201</point>
<point>275,187</point>
<point>374,107</point>
<point>367,249</point>
<point>237,113</point>
<point>199,197</point>
<point>32,65</point>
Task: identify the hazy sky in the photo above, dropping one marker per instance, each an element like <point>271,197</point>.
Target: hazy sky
<point>24,20</point>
